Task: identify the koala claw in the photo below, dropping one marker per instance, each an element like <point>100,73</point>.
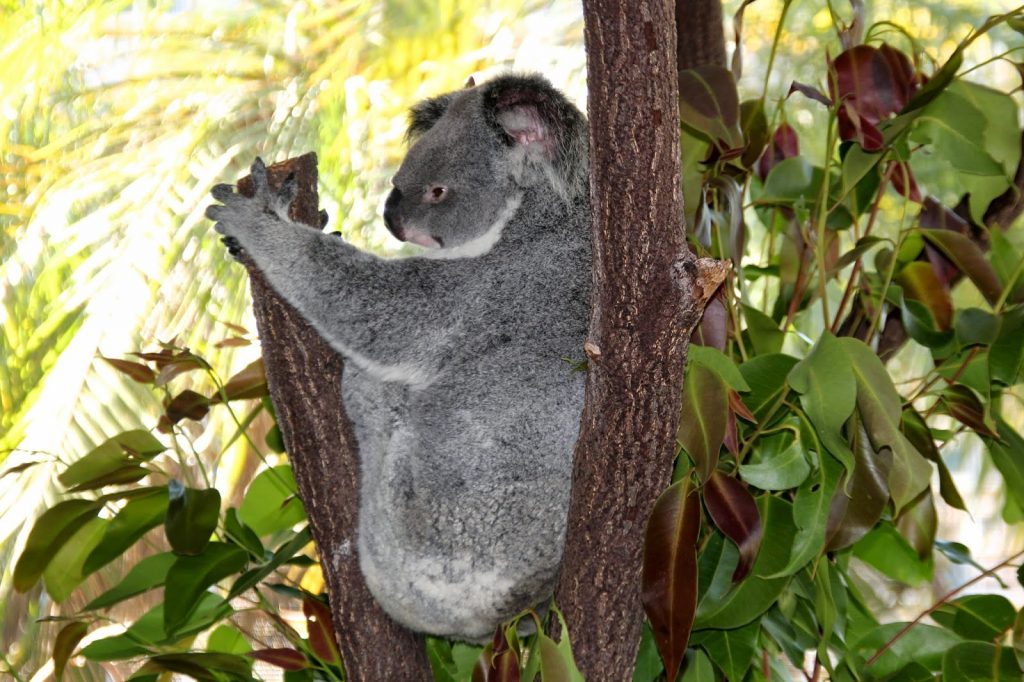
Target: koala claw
<point>234,248</point>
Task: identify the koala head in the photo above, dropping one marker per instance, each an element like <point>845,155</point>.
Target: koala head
<point>475,152</point>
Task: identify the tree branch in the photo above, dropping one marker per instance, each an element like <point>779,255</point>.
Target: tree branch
<point>304,376</point>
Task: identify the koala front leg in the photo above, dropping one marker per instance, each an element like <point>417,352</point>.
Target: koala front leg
<point>367,308</point>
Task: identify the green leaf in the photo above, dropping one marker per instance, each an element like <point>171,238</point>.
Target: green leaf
<point>1007,454</point>
<point>1007,351</point>
<point>880,408</point>
<point>923,644</point>
<point>973,661</point>
<point>145,575</point>
<point>139,515</point>
<point>778,468</point>
<point>648,667</point>
<point>888,552</point>
<point>698,667</point>
<point>763,331</point>
<point>203,665</point>
<point>766,375</point>
<point>720,363</point>
<point>271,504</point>
<point>192,516</point>
<point>190,576</point>
<point>113,461</point>
<point>825,380</point>
<point>976,327</point>
<point>284,553</point>
<point>669,577</point>
<point>791,180</point>
<point>977,616</point>
<point>708,103</point>
<point>64,645</point>
<point>917,524</point>
<point>242,534</point>
<point>52,529</point>
<point>863,245</point>
<point>920,284</point>
<point>702,417</point>
<point>731,650</point>
<point>228,640</point>
<point>857,507</point>
<point>64,572</point>
<point>810,514</point>
<point>723,608</point>
<point>917,432</point>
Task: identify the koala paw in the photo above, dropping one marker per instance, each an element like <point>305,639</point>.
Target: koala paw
<point>238,216</point>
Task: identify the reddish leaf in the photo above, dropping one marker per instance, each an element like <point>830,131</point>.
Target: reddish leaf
<point>784,145</point>
<point>137,371</point>
<point>935,216</point>
<point>289,659</point>
<point>187,405</point>
<point>64,644</point>
<point>733,510</point>
<point>870,84</point>
<point>904,182</point>
<point>739,408</point>
<point>321,630</point>
<point>809,91</point>
<point>732,441</point>
<point>712,330</point>
<point>963,405</point>
<point>669,580</point>
<point>708,103</point>
<point>702,418</point>
<point>497,662</point>
<point>920,284</point>
<point>251,382</point>
<point>966,255</point>
<point>232,342</point>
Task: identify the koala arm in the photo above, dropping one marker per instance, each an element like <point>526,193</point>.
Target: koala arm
<point>387,315</point>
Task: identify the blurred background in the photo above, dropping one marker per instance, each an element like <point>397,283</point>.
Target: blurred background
<point>117,117</point>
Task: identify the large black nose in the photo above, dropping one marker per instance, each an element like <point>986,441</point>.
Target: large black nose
<point>391,219</point>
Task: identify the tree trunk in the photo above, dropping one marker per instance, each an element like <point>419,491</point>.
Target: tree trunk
<point>304,376</point>
<point>700,35</point>
<point>643,309</point>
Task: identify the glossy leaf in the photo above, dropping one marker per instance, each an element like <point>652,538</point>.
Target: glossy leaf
<point>870,84</point>
<point>857,507</point>
<point>732,650</point>
<point>969,259</point>
<point>287,659</point>
<point>725,606</point>
<point>734,512</point>
<point>187,405</point>
<point>880,408</point>
<point>963,405</point>
<point>698,667</point>
<point>923,644</point>
<point>285,552</point>
<point>228,640</point>
<point>825,380</point>
<point>1007,352</point>
<point>764,333</point>
<point>242,534</point>
<point>200,665</point>
<point>64,645</point>
<point>917,523</point>
<point>920,284</point>
<point>147,574</point>
<point>720,363</point>
<point>669,577</point>
<point>972,661</point>
<point>977,616</point>
<point>766,376</point>
<point>190,576</point>
<point>51,531</point>
<point>250,382</point>
<point>887,551</point>
<point>139,515</point>
<point>271,503</point>
<point>709,104</point>
<point>192,516</point>
<point>975,326</point>
<point>135,370</point>
<point>781,465</point>
<point>320,627</point>
<point>702,417</point>
<point>920,436</point>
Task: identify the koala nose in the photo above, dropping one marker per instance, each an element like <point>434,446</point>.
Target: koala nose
<point>391,219</point>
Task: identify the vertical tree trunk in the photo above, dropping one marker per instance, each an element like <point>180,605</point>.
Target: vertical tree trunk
<point>700,35</point>
<point>643,309</point>
<point>304,376</point>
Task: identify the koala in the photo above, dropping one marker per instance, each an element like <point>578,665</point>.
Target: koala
<point>464,407</point>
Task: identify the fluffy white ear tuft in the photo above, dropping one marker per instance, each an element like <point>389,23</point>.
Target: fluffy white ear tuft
<point>524,125</point>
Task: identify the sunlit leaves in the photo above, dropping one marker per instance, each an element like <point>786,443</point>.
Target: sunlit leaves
<point>271,503</point>
<point>190,576</point>
<point>64,644</point>
<point>55,527</point>
<point>191,517</point>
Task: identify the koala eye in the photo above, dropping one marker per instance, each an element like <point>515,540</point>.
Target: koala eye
<point>435,194</point>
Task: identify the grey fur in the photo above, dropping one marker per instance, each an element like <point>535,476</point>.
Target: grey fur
<point>464,408</point>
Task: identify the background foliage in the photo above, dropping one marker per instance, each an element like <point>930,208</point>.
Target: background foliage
<point>820,488</point>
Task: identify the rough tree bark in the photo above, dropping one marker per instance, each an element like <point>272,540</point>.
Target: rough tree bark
<point>304,376</point>
<point>700,37</point>
<point>644,306</point>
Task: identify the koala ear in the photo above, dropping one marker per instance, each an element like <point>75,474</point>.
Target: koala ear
<point>425,114</point>
<point>542,126</point>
